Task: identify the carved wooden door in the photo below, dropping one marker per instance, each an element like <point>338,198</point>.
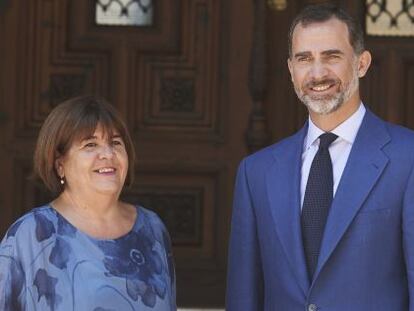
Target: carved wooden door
<point>181,83</point>
<point>184,87</point>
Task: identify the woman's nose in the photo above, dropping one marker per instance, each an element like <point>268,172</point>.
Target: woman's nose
<point>106,151</point>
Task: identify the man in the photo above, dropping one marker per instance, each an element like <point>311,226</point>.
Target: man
<point>324,220</point>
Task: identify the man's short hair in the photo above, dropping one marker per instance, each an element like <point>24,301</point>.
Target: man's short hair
<point>319,13</point>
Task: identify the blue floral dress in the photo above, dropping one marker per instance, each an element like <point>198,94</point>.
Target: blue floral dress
<point>47,264</point>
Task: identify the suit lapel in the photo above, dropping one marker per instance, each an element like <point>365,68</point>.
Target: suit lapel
<point>365,165</point>
<point>283,189</point>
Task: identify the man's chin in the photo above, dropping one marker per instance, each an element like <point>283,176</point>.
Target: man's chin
<point>322,107</point>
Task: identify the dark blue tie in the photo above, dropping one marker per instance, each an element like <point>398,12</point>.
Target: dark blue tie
<point>317,201</point>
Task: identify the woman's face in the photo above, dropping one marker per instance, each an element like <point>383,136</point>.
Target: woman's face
<point>98,163</point>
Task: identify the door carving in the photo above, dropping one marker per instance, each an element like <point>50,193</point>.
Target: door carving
<point>180,84</point>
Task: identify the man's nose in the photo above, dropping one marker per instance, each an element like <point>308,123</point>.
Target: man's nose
<point>318,70</point>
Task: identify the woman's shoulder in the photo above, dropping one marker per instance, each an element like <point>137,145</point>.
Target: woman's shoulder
<point>150,217</point>
<point>27,223</point>
<point>152,222</point>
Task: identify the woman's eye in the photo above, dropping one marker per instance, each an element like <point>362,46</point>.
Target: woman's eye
<point>90,145</point>
<point>117,143</point>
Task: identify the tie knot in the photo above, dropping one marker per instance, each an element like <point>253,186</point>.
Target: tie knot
<point>326,139</point>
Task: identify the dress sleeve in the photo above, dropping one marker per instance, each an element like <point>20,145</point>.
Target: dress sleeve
<point>163,236</point>
<point>171,267</point>
<point>12,277</point>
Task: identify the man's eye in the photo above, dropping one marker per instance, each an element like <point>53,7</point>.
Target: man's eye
<point>303,59</point>
<point>333,56</point>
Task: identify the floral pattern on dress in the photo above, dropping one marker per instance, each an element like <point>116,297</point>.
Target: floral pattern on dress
<point>46,287</point>
<point>14,291</point>
<point>13,229</point>
<point>43,258</point>
<point>136,258</point>
<point>60,253</point>
<point>65,228</point>
<point>44,227</point>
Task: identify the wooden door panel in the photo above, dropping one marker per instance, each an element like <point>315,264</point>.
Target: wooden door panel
<point>181,84</point>
<point>372,92</point>
<point>408,90</point>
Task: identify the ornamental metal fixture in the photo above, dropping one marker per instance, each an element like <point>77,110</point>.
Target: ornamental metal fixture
<point>278,5</point>
<point>124,12</point>
<point>390,17</point>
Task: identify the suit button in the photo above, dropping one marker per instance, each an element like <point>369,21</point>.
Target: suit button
<point>312,307</point>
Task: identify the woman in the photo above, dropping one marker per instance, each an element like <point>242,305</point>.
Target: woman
<point>86,250</point>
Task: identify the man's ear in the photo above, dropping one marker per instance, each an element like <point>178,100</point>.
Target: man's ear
<point>289,63</point>
<point>364,61</point>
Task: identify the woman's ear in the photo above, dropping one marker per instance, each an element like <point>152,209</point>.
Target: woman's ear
<point>59,167</point>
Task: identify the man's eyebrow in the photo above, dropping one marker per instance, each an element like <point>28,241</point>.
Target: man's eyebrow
<point>333,51</point>
<point>324,53</point>
<point>302,54</point>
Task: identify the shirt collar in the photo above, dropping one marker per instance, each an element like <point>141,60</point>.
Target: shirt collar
<point>347,130</point>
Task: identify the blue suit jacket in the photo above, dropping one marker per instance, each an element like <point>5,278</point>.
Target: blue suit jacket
<point>366,260</point>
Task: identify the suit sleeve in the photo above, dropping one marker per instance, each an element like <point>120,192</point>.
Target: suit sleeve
<point>408,236</point>
<point>245,276</point>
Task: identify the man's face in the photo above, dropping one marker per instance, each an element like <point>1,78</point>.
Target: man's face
<point>323,66</point>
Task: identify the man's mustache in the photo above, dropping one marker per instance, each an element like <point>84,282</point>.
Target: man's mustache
<point>315,83</point>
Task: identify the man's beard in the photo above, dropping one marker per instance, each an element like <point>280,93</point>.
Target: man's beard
<point>329,103</point>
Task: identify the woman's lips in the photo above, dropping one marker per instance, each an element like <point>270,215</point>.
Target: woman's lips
<point>105,170</point>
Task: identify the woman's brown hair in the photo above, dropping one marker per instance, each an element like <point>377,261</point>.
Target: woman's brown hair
<point>71,121</point>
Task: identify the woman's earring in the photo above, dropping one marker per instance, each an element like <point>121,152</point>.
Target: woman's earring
<point>62,181</point>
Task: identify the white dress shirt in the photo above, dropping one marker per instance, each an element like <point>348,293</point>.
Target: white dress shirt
<point>339,149</point>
